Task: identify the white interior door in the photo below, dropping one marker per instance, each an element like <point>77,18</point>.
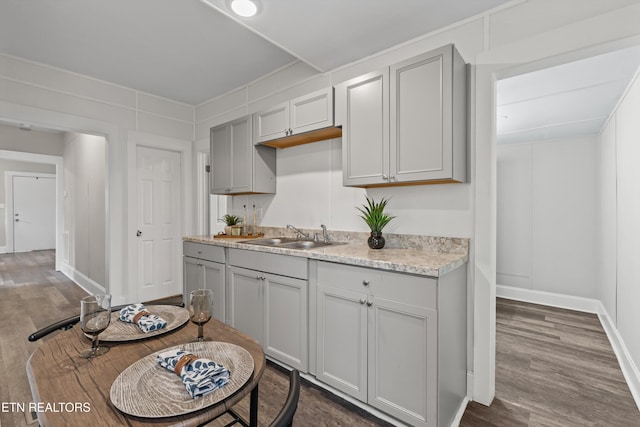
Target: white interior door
<point>34,213</point>
<point>158,233</point>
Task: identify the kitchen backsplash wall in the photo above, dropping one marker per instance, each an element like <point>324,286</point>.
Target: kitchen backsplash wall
<point>310,193</point>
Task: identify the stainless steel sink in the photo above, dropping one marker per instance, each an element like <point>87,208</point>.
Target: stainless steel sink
<point>289,243</point>
<point>305,244</point>
<point>276,241</point>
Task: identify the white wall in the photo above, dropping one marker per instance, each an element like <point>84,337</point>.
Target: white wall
<point>84,243</point>
<point>56,99</point>
<point>621,220</point>
<point>607,213</point>
<point>547,216</point>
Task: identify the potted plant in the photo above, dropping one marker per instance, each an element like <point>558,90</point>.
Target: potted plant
<point>374,215</point>
<point>233,225</point>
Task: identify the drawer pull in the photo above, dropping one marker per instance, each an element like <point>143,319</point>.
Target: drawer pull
<point>365,282</point>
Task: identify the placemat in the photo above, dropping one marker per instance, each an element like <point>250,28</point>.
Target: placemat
<point>125,331</point>
<point>145,389</point>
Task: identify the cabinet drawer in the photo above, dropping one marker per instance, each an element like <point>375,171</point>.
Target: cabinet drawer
<point>283,265</point>
<point>204,251</point>
<point>348,278</point>
<point>418,291</point>
<point>403,288</point>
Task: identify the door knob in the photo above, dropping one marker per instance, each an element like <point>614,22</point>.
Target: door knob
<point>139,233</point>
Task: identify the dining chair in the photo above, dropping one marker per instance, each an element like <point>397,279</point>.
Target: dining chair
<point>68,323</point>
<point>288,410</point>
<point>285,416</point>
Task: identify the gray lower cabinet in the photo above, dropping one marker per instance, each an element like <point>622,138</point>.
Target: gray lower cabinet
<point>381,340</point>
<point>268,299</point>
<point>204,268</point>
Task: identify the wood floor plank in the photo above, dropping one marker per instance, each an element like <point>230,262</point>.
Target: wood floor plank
<point>558,367</point>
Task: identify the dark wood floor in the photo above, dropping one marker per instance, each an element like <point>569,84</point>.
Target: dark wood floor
<point>554,367</point>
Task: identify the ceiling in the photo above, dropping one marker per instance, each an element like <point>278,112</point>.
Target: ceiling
<point>572,99</point>
<point>191,52</point>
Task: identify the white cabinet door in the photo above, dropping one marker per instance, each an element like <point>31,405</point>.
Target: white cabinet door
<point>237,166</point>
<point>193,277</point>
<point>406,123</point>
<point>420,126</point>
<point>241,152</point>
<point>300,115</point>
<point>272,123</point>
<point>311,112</point>
<point>202,274</point>
<point>285,320</point>
<point>364,113</point>
<point>220,175</point>
<point>342,340</point>
<point>214,279</point>
<point>245,301</point>
<point>403,368</point>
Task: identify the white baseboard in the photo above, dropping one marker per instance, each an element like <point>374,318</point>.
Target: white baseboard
<point>629,369</point>
<point>3,249</point>
<point>458,418</point>
<point>587,305</point>
<point>81,280</point>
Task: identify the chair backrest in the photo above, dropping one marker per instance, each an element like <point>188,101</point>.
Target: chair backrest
<point>285,417</point>
<point>69,322</point>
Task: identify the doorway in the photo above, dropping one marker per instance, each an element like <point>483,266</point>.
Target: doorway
<point>32,211</point>
<point>548,122</point>
<point>158,178</point>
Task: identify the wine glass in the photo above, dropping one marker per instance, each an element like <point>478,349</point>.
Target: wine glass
<point>95,315</point>
<point>200,309</point>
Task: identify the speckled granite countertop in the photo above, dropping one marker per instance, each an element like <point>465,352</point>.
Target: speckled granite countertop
<point>426,256</point>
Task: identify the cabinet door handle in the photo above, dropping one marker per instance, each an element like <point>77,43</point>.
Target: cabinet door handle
<point>392,177</point>
<point>362,301</point>
<point>369,303</point>
<point>365,282</point>
<point>385,177</point>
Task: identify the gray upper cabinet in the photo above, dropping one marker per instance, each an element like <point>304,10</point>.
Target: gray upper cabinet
<point>237,166</point>
<point>296,121</point>
<point>406,124</point>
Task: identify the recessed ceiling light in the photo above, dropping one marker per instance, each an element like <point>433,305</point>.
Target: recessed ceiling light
<point>244,8</point>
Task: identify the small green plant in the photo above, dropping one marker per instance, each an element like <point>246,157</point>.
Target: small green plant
<point>231,219</point>
<point>373,214</point>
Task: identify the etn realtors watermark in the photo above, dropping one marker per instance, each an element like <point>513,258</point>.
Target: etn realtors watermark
<point>66,407</point>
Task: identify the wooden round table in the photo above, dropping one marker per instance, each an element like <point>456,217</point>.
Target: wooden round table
<point>68,390</point>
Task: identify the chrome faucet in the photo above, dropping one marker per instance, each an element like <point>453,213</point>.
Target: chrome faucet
<point>325,236</point>
<point>302,234</point>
